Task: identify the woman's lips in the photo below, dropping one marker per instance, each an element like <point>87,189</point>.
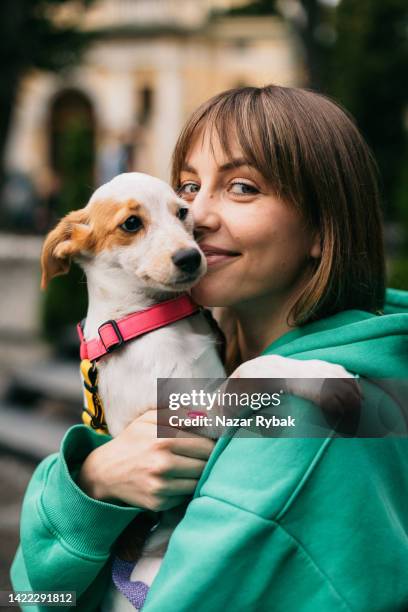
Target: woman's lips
<point>212,260</point>
<point>215,255</point>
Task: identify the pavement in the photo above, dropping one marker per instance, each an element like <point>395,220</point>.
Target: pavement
<point>26,437</point>
<point>37,405</point>
<point>31,434</point>
<point>14,476</point>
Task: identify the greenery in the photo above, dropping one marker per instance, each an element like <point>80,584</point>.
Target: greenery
<point>368,74</point>
<point>30,38</point>
<point>75,163</point>
<point>365,67</point>
<point>398,276</point>
<point>65,299</point>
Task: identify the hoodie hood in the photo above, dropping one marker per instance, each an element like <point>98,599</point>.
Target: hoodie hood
<point>366,344</point>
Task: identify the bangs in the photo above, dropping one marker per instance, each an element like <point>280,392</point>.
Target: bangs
<point>228,121</point>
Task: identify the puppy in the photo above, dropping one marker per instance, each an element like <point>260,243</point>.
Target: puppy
<point>134,241</point>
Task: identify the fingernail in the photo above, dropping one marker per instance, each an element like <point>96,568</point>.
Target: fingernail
<point>195,413</point>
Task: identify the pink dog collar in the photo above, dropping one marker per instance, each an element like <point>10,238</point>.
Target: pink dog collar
<point>114,333</point>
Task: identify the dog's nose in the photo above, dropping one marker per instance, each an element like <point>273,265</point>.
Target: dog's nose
<point>187,260</point>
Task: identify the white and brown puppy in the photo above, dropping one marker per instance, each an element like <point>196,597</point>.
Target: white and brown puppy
<point>134,240</point>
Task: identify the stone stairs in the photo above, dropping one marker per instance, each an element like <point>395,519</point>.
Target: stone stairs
<point>39,404</point>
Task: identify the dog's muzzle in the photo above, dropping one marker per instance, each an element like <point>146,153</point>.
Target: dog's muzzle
<point>187,260</point>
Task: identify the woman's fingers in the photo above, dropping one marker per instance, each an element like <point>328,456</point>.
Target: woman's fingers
<point>192,446</point>
<point>179,486</point>
<point>150,416</point>
<point>186,467</point>
<point>168,502</point>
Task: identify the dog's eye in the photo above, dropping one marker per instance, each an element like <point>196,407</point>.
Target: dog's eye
<point>132,224</point>
<point>182,213</point>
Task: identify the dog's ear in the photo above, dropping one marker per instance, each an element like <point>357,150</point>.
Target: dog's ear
<point>71,236</point>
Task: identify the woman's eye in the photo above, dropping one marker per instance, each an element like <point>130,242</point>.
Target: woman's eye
<point>239,188</point>
<point>188,190</point>
<point>132,224</point>
<point>182,213</point>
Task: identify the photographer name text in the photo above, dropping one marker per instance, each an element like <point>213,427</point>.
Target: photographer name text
<point>223,421</point>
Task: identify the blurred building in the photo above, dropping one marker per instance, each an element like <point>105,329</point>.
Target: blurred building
<point>152,62</point>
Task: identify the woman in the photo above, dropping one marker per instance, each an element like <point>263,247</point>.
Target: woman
<point>286,207</point>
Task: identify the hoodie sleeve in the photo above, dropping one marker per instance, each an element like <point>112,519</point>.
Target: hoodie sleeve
<point>66,536</point>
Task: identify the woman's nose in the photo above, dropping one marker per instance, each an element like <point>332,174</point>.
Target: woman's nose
<point>206,213</point>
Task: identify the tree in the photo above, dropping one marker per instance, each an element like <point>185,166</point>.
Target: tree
<point>312,25</point>
<point>65,299</point>
<point>31,38</point>
<point>368,74</point>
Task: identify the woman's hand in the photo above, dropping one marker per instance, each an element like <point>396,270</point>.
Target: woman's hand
<point>142,470</point>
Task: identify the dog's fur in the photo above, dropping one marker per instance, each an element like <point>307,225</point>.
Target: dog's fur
<point>126,273</point>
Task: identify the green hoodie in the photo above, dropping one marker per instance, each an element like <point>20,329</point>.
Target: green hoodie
<point>289,525</point>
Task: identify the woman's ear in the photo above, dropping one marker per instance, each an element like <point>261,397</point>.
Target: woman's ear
<point>316,247</point>
<point>71,236</point>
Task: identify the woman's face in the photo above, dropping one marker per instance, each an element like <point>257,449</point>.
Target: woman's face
<point>256,245</point>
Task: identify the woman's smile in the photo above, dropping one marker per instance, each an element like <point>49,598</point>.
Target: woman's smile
<point>217,255</point>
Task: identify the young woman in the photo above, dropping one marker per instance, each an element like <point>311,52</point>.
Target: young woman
<point>284,197</point>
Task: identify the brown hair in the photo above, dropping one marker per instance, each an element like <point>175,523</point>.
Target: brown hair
<point>311,151</point>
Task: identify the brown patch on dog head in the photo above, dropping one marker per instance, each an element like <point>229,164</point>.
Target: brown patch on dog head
<point>106,217</point>
<point>92,229</point>
<point>71,236</point>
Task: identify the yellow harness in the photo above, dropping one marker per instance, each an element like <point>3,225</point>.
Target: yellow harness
<point>92,412</point>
